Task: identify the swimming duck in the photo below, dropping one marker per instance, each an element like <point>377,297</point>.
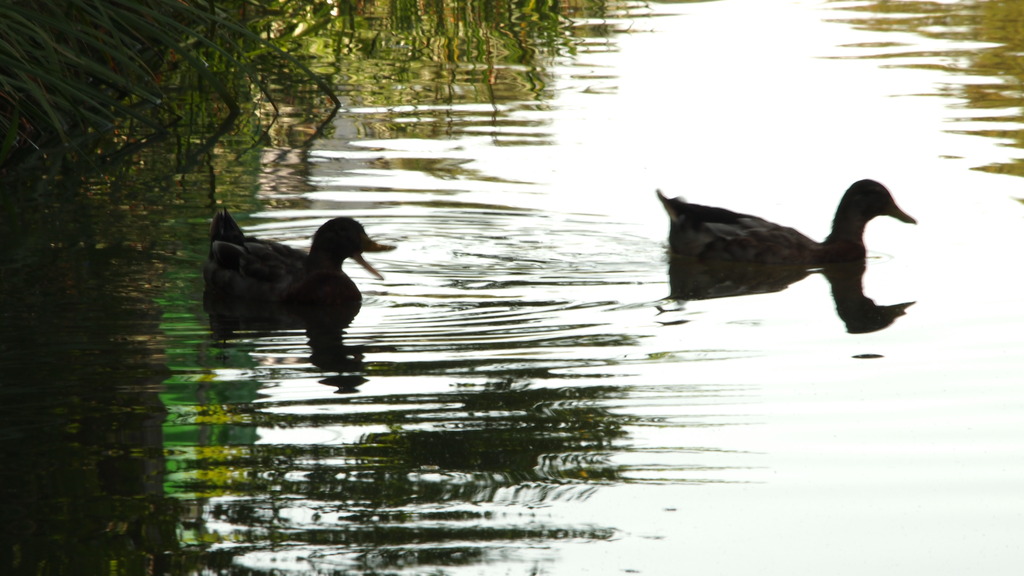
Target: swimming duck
<point>708,233</point>
<point>251,269</point>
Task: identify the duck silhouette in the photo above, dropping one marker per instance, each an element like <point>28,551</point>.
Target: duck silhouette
<point>251,269</point>
<point>709,233</point>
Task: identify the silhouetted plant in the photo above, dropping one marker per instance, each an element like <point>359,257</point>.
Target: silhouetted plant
<point>72,68</point>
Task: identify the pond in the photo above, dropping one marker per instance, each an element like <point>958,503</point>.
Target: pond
<point>535,387</point>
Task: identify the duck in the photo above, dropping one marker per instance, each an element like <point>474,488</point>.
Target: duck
<point>716,234</point>
<point>250,269</point>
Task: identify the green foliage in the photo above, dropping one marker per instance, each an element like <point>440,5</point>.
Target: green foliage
<point>73,68</point>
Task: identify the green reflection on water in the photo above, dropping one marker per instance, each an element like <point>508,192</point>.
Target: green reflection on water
<point>136,428</point>
<point>121,429</point>
<point>992,75</point>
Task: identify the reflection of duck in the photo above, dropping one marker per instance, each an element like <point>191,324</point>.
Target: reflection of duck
<point>694,280</point>
<point>859,313</point>
<point>240,267</point>
<point>708,233</point>
<point>324,326</point>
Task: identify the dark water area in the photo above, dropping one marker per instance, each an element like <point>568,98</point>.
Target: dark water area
<point>117,432</point>
<point>535,387</point>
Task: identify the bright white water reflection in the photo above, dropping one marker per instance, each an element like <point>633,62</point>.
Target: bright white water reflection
<point>541,405</point>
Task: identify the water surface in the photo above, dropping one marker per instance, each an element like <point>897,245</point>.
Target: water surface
<point>533,388</point>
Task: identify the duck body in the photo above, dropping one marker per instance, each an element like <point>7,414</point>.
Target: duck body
<point>717,234</point>
<point>258,270</point>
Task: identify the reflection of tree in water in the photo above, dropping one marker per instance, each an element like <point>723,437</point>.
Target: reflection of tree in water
<point>999,22</point>
<point>440,66</point>
<point>101,440</point>
<point>432,481</point>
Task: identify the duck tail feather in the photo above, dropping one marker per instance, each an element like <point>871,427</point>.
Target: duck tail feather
<point>223,228</point>
<point>670,205</point>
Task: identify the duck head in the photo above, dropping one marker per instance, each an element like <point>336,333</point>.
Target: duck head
<point>863,201</point>
<point>871,199</point>
<point>342,238</point>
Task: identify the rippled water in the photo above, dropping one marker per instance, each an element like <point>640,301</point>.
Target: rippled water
<point>535,388</point>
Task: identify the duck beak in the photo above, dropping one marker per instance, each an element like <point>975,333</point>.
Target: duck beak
<point>365,264</point>
<point>368,245</point>
<point>900,215</point>
<point>371,246</point>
